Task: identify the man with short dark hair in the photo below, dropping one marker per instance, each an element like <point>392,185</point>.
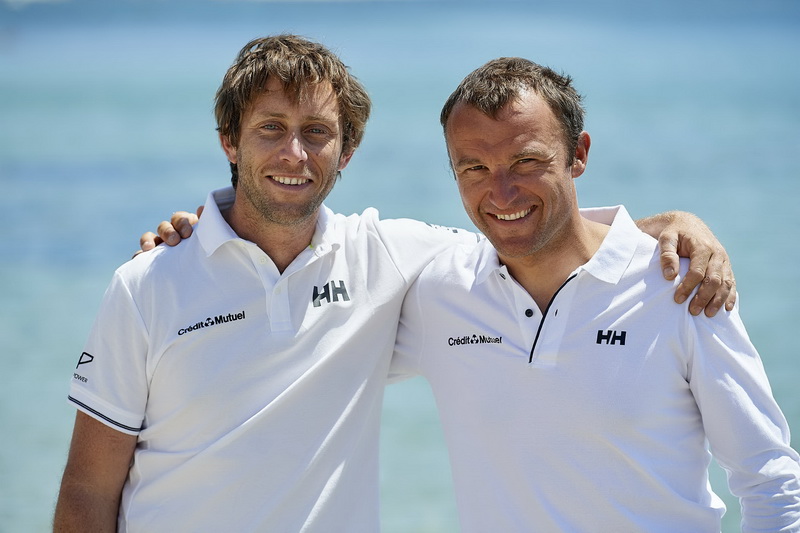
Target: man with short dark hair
<point>573,396</point>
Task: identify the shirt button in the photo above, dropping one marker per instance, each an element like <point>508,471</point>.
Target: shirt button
<point>263,260</point>
<point>529,313</point>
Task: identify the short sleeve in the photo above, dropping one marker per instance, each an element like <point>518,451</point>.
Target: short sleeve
<point>110,380</point>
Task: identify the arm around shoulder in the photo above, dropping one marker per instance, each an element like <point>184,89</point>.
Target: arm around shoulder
<point>686,235</point>
<point>97,466</point>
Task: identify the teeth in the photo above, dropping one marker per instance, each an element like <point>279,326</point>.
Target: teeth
<point>290,181</point>
<point>514,216</point>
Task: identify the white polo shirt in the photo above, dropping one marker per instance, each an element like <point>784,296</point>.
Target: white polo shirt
<point>597,416</point>
<point>255,395</point>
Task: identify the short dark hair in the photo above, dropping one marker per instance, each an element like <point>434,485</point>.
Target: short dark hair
<point>492,86</point>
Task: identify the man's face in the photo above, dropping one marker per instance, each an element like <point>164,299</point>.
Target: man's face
<point>288,154</point>
<point>513,174</point>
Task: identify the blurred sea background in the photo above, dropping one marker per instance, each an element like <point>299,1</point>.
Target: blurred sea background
<point>106,128</point>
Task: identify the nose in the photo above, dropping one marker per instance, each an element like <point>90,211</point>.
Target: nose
<point>293,151</point>
<point>503,189</point>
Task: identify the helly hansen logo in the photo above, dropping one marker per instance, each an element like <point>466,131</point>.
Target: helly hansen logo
<point>330,292</point>
<point>611,337</point>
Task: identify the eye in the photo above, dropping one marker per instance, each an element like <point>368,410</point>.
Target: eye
<point>528,164</point>
<point>319,130</point>
<point>472,173</point>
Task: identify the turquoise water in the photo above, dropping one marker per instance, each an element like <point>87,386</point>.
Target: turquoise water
<point>106,128</point>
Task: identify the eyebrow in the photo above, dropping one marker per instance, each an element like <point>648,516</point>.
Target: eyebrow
<point>540,154</point>
<point>308,118</point>
<point>467,161</point>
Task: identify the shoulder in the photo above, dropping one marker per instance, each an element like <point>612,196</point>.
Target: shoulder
<point>403,228</point>
<point>460,266</point>
<point>159,263</point>
<point>407,242</point>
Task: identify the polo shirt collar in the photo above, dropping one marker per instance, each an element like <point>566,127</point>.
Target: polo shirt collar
<point>617,250</point>
<point>487,262</point>
<point>324,239</point>
<point>214,231</point>
<point>607,264</point>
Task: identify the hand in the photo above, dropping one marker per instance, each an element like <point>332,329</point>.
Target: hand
<point>685,235</point>
<point>178,228</point>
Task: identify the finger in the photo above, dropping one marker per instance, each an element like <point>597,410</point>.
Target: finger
<point>200,211</point>
<point>728,291</point>
<point>706,292</point>
<point>724,293</point>
<point>693,277</point>
<point>670,262</point>
<point>730,302</point>
<point>699,259</point>
<point>713,291</point>
<point>183,221</point>
<point>168,233</point>
<point>712,305</point>
<point>148,241</point>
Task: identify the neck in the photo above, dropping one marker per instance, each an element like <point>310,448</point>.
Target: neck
<point>281,242</point>
<point>544,271</point>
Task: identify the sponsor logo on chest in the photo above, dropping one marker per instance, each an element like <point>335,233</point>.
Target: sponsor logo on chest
<point>612,337</point>
<point>213,321</point>
<point>474,339</point>
<point>332,291</point>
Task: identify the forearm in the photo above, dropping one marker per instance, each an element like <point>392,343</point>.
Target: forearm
<point>655,224</point>
<point>91,488</point>
<point>80,508</point>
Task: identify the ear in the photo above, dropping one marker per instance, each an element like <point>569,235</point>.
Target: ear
<point>344,159</point>
<point>581,156</point>
<point>230,149</point>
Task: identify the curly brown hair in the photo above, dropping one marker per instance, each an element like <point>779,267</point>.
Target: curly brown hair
<point>298,63</point>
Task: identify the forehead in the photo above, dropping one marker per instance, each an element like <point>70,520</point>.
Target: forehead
<point>523,117</point>
<point>525,127</point>
<point>317,101</point>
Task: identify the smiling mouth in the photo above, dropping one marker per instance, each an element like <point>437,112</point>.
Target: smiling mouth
<point>514,216</point>
<point>285,180</point>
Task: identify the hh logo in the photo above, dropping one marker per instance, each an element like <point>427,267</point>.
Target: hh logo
<point>330,292</point>
<point>611,337</point>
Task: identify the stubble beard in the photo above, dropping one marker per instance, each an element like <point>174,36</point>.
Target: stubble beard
<point>281,213</point>
<point>541,239</point>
